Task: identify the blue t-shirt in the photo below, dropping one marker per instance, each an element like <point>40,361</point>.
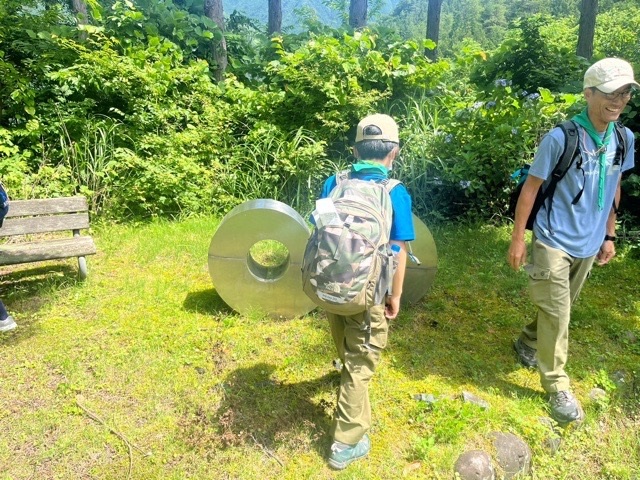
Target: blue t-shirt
<point>402,222</point>
<point>577,229</point>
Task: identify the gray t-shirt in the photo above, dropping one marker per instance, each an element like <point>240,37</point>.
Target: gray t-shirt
<point>577,229</point>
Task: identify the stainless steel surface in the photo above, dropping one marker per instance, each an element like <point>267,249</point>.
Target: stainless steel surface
<point>245,285</point>
<point>419,278</point>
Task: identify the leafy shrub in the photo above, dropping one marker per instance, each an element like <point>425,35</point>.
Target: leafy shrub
<point>329,83</point>
<point>532,60</point>
<point>466,151</point>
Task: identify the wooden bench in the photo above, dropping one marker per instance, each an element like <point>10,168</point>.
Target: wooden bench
<point>40,217</point>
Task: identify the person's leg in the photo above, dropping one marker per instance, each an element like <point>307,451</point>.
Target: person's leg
<point>3,311</point>
<point>550,291</point>
<point>361,349</point>
<point>363,341</point>
<point>6,321</point>
<point>555,281</point>
<point>336,324</point>
<point>560,279</point>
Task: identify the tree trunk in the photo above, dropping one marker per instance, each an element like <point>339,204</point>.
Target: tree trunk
<point>275,16</point>
<point>586,31</point>
<point>80,7</point>
<point>433,27</point>
<point>213,10</point>
<point>358,13</point>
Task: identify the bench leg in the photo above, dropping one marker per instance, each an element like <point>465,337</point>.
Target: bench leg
<point>82,268</point>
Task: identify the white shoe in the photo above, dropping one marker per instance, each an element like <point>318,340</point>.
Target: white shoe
<point>7,324</point>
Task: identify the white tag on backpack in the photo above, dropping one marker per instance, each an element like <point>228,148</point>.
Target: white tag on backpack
<point>325,213</point>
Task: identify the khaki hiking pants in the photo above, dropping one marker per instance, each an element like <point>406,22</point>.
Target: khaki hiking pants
<point>360,353</point>
<point>555,281</point>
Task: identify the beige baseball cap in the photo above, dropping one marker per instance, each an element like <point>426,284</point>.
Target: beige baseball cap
<point>609,74</point>
<point>385,123</point>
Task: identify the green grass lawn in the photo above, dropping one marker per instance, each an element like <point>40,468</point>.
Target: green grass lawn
<point>143,372</point>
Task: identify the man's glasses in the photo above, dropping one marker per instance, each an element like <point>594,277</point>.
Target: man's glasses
<point>626,94</point>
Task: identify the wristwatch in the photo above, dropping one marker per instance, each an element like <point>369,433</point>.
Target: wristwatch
<point>610,237</point>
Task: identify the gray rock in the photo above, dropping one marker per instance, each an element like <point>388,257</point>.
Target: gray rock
<point>551,443</point>
<point>514,455</point>
<point>425,397</point>
<point>474,465</point>
<point>597,395</point>
<point>469,397</point>
<point>619,377</point>
<point>630,336</point>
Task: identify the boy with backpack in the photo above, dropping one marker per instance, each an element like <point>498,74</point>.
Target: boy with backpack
<point>574,226</point>
<point>359,327</point>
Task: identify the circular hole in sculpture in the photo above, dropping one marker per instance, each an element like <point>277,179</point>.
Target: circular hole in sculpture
<point>268,260</point>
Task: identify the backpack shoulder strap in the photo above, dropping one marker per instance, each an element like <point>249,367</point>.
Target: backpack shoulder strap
<point>570,130</point>
<point>621,149</point>
<point>391,183</point>
<point>569,153</point>
<point>342,176</point>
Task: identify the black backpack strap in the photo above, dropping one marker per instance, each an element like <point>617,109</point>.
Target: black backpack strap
<point>569,153</point>
<point>621,152</point>
<point>621,148</point>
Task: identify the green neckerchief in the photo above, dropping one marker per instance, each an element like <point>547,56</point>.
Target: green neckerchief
<point>582,119</point>
<point>370,167</point>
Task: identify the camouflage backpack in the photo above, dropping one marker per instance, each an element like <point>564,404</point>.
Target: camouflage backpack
<point>348,255</point>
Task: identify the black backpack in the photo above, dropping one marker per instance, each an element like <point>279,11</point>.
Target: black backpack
<point>569,154</point>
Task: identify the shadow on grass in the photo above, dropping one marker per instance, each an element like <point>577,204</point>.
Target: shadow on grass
<point>260,412</point>
<point>206,301</point>
<point>24,291</point>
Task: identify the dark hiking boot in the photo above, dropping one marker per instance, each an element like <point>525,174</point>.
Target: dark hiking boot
<point>526,354</point>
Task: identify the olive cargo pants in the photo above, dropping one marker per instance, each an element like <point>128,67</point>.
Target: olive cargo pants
<point>360,352</point>
<point>555,281</point>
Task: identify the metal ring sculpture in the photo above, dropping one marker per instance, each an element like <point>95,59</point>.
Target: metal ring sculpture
<point>247,286</point>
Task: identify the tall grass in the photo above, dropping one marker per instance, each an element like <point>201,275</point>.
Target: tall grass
<point>91,158</point>
<point>286,167</point>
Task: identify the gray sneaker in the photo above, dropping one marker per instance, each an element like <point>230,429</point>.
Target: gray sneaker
<point>565,408</point>
<point>7,324</point>
<point>343,454</point>
<point>526,354</point>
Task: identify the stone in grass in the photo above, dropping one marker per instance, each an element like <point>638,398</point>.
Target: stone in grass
<point>469,397</point>
<point>551,442</point>
<point>425,397</point>
<point>474,465</point>
<point>597,395</point>
<point>619,378</point>
<point>513,455</point>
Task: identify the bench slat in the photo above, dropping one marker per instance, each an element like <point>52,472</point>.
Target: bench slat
<point>47,206</point>
<point>55,223</point>
<point>12,254</point>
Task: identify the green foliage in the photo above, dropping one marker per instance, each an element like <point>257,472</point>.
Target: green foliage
<point>617,33</point>
<point>124,111</point>
<point>464,149</point>
<point>531,60</point>
<point>331,82</point>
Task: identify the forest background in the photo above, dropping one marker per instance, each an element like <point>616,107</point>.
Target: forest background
<point>128,103</point>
